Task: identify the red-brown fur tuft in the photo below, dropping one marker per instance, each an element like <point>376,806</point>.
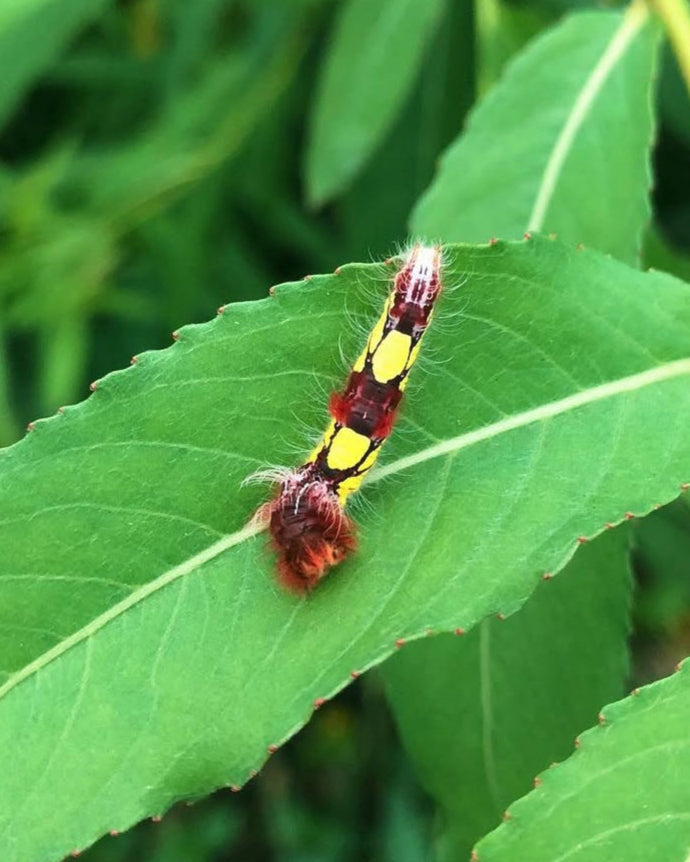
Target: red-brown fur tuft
<point>309,530</point>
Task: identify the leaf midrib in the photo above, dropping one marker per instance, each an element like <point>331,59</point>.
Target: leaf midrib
<point>543,413</point>
<point>633,20</point>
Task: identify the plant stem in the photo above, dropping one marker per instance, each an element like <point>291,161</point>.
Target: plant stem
<point>675,16</point>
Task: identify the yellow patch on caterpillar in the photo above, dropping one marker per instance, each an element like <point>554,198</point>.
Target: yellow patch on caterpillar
<point>391,357</point>
<point>352,483</point>
<point>323,443</point>
<point>348,486</point>
<point>377,332</point>
<point>415,353</point>
<point>361,359</point>
<point>347,449</point>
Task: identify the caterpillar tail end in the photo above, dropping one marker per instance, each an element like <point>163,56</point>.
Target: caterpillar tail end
<point>310,533</point>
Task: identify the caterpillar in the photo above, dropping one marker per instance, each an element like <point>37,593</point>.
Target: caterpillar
<point>309,529</point>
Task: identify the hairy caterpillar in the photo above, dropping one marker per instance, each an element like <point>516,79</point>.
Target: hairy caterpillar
<point>310,531</point>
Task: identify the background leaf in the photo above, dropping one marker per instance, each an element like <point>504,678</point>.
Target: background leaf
<point>596,66</point>
<point>482,714</point>
<point>557,400</point>
<point>376,53</point>
<point>597,805</point>
<point>32,33</point>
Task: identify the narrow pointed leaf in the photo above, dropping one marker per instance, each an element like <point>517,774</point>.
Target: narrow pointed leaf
<point>623,794</point>
<point>32,33</point>
<point>543,151</point>
<point>148,654</point>
<point>371,65</point>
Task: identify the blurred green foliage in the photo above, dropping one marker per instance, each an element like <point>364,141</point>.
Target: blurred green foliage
<point>152,167</point>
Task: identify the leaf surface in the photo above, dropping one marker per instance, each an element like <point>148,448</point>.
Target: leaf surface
<point>481,715</point>
<point>449,738</point>
<point>376,53</point>
<point>542,151</point>
<point>131,612</point>
<point>600,803</point>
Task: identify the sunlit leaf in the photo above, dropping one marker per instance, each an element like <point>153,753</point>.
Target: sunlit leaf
<point>147,653</point>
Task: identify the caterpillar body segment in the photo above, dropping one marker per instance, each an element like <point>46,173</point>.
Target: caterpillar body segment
<point>309,528</point>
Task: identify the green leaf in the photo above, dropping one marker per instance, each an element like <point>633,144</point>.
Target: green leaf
<point>543,151</point>
<point>659,253</point>
<point>472,792</point>
<point>483,714</point>
<point>376,53</point>
<point>32,34</point>
<point>147,652</point>
<point>204,125</point>
<point>662,551</point>
<point>624,794</point>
